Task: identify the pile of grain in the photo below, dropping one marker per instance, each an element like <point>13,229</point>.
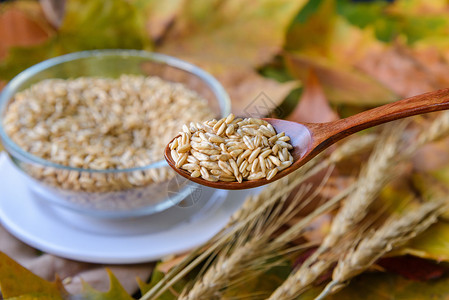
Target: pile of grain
<point>232,149</point>
<point>101,123</point>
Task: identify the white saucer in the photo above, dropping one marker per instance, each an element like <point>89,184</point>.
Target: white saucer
<point>67,234</point>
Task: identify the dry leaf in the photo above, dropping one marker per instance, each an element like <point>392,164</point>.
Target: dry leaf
<point>396,70</point>
<point>230,33</point>
<point>22,23</point>
<point>47,266</point>
<point>97,277</point>
<point>252,94</point>
<point>341,84</point>
<point>230,39</point>
<point>313,106</point>
<point>160,16</point>
<point>412,267</point>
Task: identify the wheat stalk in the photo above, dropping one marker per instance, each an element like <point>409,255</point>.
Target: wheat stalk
<point>254,206</point>
<point>392,234</point>
<point>255,253</point>
<point>222,272</point>
<point>250,252</point>
<point>372,179</point>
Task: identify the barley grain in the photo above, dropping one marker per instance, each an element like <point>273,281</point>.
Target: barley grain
<point>233,149</point>
<point>105,123</point>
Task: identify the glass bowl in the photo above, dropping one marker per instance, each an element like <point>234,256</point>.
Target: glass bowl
<point>133,200</point>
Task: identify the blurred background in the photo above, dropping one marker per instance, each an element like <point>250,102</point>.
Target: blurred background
<point>344,55</point>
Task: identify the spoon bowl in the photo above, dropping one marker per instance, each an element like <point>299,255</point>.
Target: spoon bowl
<point>309,139</point>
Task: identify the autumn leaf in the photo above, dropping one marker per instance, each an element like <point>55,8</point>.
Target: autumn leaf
<point>101,25</point>
<point>171,294</point>
<point>385,286</point>
<point>413,21</point>
<point>397,69</point>
<point>230,33</point>
<point>116,291</point>
<point>159,16</point>
<point>341,84</point>
<point>231,39</point>
<point>17,281</point>
<point>412,267</point>
<point>330,46</point>
<point>22,23</point>
<point>262,285</point>
<point>431,244</point>
<point>313,106</point>
<point>413,57</point>
<point>88,24</point>
<point>252,94</point>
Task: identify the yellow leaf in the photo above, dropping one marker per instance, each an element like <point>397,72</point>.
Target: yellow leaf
<point>17,281</point>
<point>230,33</point>
<point>341,84</point>
<point>382,286</point>
<point>431,244</point>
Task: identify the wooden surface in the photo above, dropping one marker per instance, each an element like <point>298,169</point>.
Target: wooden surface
<point>309,139</point>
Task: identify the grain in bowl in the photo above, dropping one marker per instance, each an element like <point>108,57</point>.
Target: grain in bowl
<point>97,123</point>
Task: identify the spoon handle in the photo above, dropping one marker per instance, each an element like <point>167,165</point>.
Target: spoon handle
<point>329,133</point>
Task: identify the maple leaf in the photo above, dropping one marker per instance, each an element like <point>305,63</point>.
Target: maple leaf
<point>231,39</point>
<point>313,106</point>
<point>116,291</point>
<point>16,281</point>
<point>327,44</point>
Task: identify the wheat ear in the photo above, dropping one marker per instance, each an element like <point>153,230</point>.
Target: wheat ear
<point>260,248</point>
<point>372,179</point>
<point>255,205</point>
<point>249,249</point>
<point>438,129</point>
<point>393,233</point>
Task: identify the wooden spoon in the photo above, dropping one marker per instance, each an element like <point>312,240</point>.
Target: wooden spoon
<point>309,139</point>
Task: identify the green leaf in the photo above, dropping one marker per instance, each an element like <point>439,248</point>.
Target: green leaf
<point>414,20</point>
<point>157,276</point>
<point>116,291</point>
<point>101,24</point>
<point>17,281</point>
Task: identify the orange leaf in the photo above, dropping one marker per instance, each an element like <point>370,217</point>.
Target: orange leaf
<point>22,24</point>
<point>313,106</point>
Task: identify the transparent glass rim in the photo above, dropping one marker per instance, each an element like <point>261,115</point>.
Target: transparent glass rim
<point>9,90</point>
